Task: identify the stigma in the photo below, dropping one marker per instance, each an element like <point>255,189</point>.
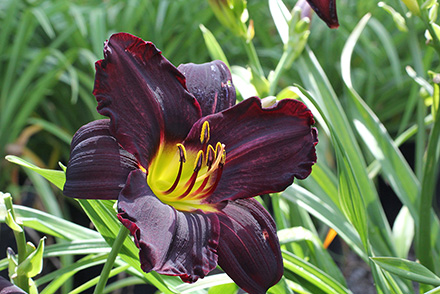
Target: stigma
<point>178,175</point>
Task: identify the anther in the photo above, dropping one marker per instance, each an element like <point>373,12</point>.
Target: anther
<point>210,155</point>
<point>220,156</point>
<point>204,134</point>
<point>199,161</point>
<point>218,147</point>
<point>182,152</point>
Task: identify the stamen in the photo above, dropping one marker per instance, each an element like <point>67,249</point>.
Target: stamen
<point>190,184</point>
<point>202,186</point>
<point>220,155</point>
<point>213,186</point>
<point>204,134</point>
<point>182,154</point>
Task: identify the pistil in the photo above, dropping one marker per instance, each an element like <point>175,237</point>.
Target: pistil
<point>182,154</point>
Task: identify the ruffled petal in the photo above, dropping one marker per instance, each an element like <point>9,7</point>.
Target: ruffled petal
<point>171,242</point>
<point>211,84</point>
<point>266,148</point>
<point>98,167</point>
<point>326,10</point>
<point>249,250</point>
<point>144,95</point>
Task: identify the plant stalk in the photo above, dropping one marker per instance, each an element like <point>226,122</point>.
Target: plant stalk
<point>117,245</point>
<point>20,239</point>
<point>279,70</point>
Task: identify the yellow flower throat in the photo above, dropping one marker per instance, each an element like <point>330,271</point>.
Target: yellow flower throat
<point>184,179</point>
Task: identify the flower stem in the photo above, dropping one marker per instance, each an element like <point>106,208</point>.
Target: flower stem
<point>117,245</point>
<point>279,70</point>
<point>253,57</point>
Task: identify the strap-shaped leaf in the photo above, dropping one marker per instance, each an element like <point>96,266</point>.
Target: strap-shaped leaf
<point>407,269</point>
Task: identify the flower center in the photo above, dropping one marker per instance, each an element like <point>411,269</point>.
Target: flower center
<point>184,178</point>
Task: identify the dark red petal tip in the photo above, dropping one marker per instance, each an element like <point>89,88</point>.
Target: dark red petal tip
<point>144,95</point>
<point>326,10</point>
<point>249,250</point>
<point>211,84</point>
<point>171,242</point>
<point>98,167</point>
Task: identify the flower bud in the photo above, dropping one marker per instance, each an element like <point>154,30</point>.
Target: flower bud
<point>232,14</point>
<point>412,6</point>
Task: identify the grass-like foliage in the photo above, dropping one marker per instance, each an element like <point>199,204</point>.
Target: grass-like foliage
<point>372,86</point>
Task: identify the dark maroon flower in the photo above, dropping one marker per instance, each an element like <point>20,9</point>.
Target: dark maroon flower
<point>326,10</point>
<point>184,162</point>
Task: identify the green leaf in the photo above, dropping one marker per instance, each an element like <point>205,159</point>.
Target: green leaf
<point>215,51</point>
<point>281,17</point>
<point>329,112</point>
<point>326,211</point>
<point>60,276</point>
<point>33,264</point>
<point>49,224</point>
<point>312,274</point>
<point>281,287</point>
<point>56,177</point>
<point>231,288</point>
<point>317,253</point>
<point>396,169</point>
<point>434,291</point>
<point>350,196</point>
<point>407,269</point>
<point>206,282</point>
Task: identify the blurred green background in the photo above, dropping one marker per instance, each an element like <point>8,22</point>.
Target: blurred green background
<point>48,49</point>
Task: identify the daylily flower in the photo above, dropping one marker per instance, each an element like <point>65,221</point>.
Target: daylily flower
<point>326,10</point>
<point>184,163</point>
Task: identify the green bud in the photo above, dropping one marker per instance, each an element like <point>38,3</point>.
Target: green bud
<point>232,14</point>
<point>398,19</point>
<point>428,4</point>
<point>30,248</point>
<point>268,101</point>
<point>433,11</point>
<point>412,6</point>
<point>11,222</point>
<point>436,29</point>
<point>33,264</point>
